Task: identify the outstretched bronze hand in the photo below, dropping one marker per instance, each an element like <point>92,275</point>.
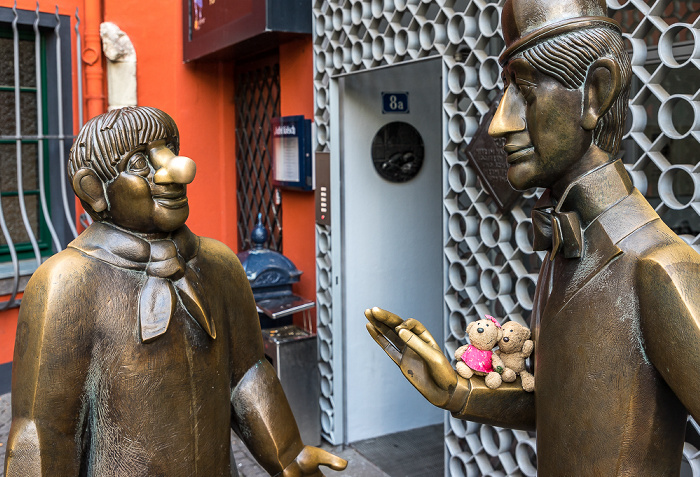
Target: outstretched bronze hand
<point>411,346</point>
<point>309,460</point>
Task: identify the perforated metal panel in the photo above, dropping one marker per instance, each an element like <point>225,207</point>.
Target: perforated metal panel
<point>489,262</point>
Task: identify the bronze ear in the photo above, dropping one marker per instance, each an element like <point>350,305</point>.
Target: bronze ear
<point>90,189</point>
<point>601,89</point>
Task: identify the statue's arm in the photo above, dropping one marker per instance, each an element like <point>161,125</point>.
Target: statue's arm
<point>49,368</point>
<point>507,406</point>
<point>669,297</point>
<point>414,350</point>
<point>261,415</point>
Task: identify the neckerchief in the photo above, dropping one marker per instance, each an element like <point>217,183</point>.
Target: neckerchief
<point>165,264</point>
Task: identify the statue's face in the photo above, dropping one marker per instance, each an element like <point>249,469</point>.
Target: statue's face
<point>540,120</point>
<point>150,194</point>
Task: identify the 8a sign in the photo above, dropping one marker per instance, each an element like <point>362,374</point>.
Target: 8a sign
<point>395,103</point>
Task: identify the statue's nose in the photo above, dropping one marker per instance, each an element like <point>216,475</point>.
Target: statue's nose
<point>480,330</point>
<point>510,115</point>
<point>506,339</point>
<point>171,168</point>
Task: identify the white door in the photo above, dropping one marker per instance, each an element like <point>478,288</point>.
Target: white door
<point>391,242</point>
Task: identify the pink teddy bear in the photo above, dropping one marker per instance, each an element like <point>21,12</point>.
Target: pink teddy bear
<point>477,357</point>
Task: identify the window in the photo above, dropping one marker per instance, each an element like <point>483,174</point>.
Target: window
<point>36,206</point>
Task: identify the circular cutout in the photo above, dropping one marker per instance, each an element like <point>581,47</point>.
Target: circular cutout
<point>670,37</point>
<point>489,19</point>
<point>378,48</point>
<point>494,441</point>
<point>489,73</point>
<point>679,186</point>
<point>325,350</point>
<point>458,276</point>
<point>458,324</point>
<point>526,457</point>
<point>326,386</point>
<point>324,243</point>
<point>397,152</point>
<point>456,78</point>
<point>324,315</point>
<point>338,19</point>
<point>458,427</point>
<point>524,235</point>
<point>460,177</point>
<point>456,28</point>
<point>457,467</point>
<point>678,117</point>
<point>321,134</point>
<point>525,290</point>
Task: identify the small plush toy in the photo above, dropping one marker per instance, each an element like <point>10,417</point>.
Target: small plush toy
<point>514,347</point>
<point>477,357</point>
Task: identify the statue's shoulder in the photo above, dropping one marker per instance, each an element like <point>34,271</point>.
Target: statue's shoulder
<point>217,254</point>
<point>62,267</point>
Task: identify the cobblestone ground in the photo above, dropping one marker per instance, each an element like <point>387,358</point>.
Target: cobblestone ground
<point>247,466</point>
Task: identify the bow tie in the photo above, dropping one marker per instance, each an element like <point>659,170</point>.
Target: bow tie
<point>164,263</point>
<point>556,231</point>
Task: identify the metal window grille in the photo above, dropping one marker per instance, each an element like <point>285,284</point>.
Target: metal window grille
<point>36,208</point>
<point>257,102</point>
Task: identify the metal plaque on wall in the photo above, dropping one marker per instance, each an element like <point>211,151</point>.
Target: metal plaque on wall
<point>397,152</point>
<point>488,158</point>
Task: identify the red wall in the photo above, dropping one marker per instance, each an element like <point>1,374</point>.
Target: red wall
<point>297,98</point>
<point>199,97</point>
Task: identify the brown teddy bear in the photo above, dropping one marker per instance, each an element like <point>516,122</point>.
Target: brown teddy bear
<point>477,357</point>
<point>514,347</point>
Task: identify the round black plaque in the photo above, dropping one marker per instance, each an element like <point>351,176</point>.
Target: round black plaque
<point>397,152</point>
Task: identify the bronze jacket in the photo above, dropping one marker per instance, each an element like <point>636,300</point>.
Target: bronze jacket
<point>90,398</point>
<point>617,341</point>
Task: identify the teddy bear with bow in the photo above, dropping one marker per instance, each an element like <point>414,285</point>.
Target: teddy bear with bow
<point>478,357</point>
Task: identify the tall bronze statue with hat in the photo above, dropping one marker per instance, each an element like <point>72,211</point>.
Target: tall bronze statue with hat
<point>616,315</point>
<point>139,347</point>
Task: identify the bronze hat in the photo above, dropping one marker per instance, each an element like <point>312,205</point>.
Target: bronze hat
<point>528,22</point>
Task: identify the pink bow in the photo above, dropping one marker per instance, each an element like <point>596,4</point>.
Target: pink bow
<point>493,319</point>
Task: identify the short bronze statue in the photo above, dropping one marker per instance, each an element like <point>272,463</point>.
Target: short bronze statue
<point>139,347</point>
<point>616,316</point>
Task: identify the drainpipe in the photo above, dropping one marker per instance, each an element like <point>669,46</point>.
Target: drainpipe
<point>92,57</point>
<point>121,66</point>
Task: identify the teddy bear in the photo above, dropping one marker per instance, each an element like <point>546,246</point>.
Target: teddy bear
<point>477,357</point>
<point>514,347</point>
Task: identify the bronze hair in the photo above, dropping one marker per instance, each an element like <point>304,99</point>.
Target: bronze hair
<point>568,57</point>
<point>105,139</point>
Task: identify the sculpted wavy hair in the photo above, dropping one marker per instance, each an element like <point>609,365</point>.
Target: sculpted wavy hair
<point>568,57</point>
<point>106,139</point>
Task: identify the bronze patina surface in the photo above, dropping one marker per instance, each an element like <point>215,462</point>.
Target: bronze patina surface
<point>139,347</point>
<point>616,316</point>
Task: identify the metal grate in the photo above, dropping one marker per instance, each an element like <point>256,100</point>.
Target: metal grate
<point>257,102</point>
<point>37,216</point>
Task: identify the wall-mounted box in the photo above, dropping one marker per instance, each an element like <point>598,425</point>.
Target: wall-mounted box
<point>224,29</point>
<point>291,153</point>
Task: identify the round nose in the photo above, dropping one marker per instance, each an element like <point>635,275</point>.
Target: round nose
<point>177,169</point>
<point>480,330</point>
<point>506,339</point>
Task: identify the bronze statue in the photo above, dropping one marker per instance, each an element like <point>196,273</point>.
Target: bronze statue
<point>139,347</point>
<point>616,316</point>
